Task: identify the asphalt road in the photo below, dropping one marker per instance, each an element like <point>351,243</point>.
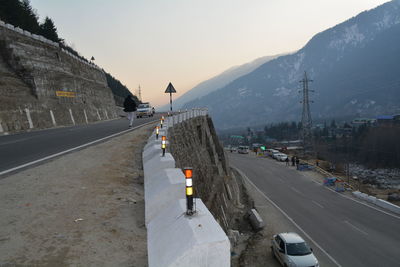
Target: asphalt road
<point>351,233</point>
<point>22,148</point>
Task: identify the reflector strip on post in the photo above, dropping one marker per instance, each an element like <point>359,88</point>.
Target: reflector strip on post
<point>163,144</point>
<point>157,132</point>
<point>188,171</point>
<point>189,191</point>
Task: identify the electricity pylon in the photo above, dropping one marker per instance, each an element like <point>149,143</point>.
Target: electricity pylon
<point>306,121</point>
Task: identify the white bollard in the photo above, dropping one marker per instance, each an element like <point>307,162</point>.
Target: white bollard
<point>28,116</point>
<point>84,112</point>
<point>52,118</point>
<point>72,117</point>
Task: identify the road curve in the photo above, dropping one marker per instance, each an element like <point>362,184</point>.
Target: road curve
<point>352,233</point>
<point>24,148</point>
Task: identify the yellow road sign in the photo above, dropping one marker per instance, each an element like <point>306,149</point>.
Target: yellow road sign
<point>65,94</point>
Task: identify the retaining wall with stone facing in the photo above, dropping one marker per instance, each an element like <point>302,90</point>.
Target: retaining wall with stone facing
<point>174,238</point>
<point>195,143</point>
<point>32,70</point>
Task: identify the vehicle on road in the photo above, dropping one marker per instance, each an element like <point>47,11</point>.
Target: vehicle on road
<point>281,156</point>
<point>144,109</point>
<point>291,250</point>
<point>274,153</point>
<point>243,150</point>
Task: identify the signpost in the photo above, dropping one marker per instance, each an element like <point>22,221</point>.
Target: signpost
<point>170,89</point>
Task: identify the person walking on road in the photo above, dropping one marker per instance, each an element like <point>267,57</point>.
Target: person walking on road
<point>297,162</point>
<point>130,108</point>
<point>287,161</point>
<point>293,160</point>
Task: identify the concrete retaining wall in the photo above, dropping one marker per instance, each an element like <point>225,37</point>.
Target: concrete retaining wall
<point>32,70</point>
<point>173,238</point>
<point>379,202</point>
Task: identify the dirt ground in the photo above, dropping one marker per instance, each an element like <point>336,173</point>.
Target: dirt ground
<point>82,209</point>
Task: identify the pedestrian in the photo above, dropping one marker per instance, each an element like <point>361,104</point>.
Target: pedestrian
<point>317,162</point>
<point>293,160</point>
<point>287,161</point>
<point>130,108</point>
<point>297,162</point>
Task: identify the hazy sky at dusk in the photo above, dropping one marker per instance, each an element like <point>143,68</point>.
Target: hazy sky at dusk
<point>153,42</point>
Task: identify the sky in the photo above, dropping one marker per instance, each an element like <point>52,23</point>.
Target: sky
<point>153,42</point>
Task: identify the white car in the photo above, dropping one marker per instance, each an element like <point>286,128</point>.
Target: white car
<point>291,250</point>
<point>144,109</point>
<point>243,150</point>
<point>274,153</point>
<point>281,156</point>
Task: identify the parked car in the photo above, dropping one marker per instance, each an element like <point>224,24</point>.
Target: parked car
<point>291,250</point>
<point>243,150</point>
<point>274,153</point>
<point>144,109</point>
<point>281,156</point>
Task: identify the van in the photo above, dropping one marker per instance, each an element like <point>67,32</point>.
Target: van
<point>243,150</point>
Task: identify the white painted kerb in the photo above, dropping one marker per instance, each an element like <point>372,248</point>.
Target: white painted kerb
<point>175,239</point>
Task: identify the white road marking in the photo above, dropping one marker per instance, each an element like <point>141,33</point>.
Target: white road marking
<point>297,191</point>
<point>289,218</point>
<point>15,141</point>
<point>316,203</point>
<point>362,203</point>
<point>71,149</point>
<point>356,228</point>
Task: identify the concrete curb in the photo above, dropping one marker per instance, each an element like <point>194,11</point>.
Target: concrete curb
<point>379,202</point>
<point>173,238</point>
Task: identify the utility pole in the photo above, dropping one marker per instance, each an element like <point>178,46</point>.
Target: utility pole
<point>140,93</point>
<point>306,121</point>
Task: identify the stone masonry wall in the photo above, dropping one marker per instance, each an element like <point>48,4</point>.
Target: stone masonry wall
<point>194,143</point>
<point>32,69</point>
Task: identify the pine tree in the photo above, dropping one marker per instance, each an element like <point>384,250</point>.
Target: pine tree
<point>29,20</point>
<point>49,30</point>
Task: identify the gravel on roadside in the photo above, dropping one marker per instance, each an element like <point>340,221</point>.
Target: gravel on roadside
<point>83,209</point>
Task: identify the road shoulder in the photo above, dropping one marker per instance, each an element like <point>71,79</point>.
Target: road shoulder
<point>85,208</point>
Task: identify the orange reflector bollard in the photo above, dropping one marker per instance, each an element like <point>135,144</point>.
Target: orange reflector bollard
<point>157,132</point>
<point>188,171</point>
<point>163,144</point>
<point>162,121</point>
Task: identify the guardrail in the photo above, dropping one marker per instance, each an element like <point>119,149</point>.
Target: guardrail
<point>181,116</point>
<point>175,238</point>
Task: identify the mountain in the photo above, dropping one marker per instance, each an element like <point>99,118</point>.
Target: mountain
<point>355,67</point>
<point>218,81</point>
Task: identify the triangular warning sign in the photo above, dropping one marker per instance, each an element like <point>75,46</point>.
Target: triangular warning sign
<point>170,89</point>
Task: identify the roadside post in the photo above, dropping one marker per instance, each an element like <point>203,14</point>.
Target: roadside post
<point>170,89</point>
<point>157,132</point>
<point>163,144</point>
<point>188,171</point>
<point>162,121</point>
